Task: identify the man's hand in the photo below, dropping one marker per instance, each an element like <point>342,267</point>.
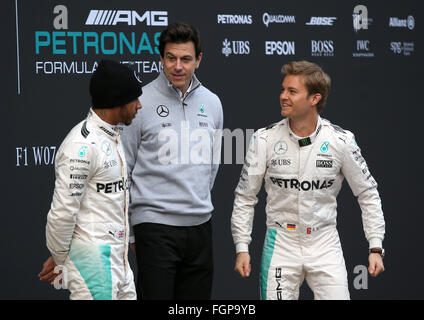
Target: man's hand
<point>47,273</point>
<point>376,264</point>
<point>243,266</point>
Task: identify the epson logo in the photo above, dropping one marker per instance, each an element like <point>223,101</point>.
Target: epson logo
<point>322,48</point>
<point>324,163</point>
<point>280,48</point>
<point>321,21</point>
<point>302,185</point>
<point>129,17</point>
<point>234,19</point>
<point>76,185</point>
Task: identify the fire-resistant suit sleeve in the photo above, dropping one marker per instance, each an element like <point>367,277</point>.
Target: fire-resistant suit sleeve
<point>364,187</point>
<point>131,139</point>
<point>246,192</point>
<point>73,169</point>
<point>216,148</point>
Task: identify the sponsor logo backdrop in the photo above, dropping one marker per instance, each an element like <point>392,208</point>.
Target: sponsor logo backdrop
<point>372,56</point>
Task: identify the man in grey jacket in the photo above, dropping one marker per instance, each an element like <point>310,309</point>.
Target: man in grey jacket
<point>172,150</point>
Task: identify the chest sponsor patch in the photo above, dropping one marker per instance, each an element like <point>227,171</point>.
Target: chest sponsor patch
<point>324,163</point>
<point>280,162</point>
<point>302,185</point>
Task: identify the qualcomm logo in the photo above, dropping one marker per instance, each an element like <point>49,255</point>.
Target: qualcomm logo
<point>130,17</point>
<point>269,18</point>
<point>235,47</point>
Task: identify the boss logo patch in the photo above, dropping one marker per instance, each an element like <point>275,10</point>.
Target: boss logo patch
<point>324,163</point>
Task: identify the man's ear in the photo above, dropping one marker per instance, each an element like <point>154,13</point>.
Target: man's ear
<point>199,58</point>
<point>316,98</point>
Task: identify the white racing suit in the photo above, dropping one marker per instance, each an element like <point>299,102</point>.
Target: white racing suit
<point>87,225</point>
<point>302,180</point>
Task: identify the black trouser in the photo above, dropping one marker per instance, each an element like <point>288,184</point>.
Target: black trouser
<point>174,262</point>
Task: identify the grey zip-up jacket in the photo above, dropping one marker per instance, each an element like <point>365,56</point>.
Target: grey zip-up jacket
<point>173,149</point>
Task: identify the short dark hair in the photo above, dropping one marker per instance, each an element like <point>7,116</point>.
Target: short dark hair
<point>180,32</point>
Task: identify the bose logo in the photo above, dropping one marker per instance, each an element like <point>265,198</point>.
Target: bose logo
<point>130,17</point>
<point>321,21</point>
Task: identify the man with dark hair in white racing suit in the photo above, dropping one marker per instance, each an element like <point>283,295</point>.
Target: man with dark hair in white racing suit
<point>87,229</point>
<point>303,160</point>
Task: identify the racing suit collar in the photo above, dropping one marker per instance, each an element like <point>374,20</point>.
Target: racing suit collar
<point>106,128</point>
<point>305,141</point>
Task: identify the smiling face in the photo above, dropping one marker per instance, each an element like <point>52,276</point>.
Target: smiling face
<point>179,63</point>
<point>295,100</point>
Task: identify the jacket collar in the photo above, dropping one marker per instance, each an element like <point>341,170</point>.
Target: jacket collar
<point>165,83</point>
<point>304,141</point>
<point>111,131</point>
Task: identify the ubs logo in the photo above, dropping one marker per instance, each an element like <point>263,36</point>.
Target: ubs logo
<point>162,111</point>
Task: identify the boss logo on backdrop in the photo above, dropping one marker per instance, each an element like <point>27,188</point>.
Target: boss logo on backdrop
<point>322,48</point>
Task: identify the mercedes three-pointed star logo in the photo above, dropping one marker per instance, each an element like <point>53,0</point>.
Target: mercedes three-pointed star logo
<point>280,148</point>
<point>162,111</point>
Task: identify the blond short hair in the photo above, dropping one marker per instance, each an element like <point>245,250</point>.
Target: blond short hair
<point>315,79</point>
